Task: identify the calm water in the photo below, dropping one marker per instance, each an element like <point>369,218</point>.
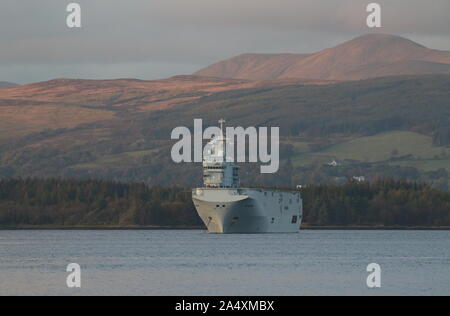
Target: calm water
<point>195,263</point>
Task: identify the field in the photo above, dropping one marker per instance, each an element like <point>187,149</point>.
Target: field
<point>398,147</point>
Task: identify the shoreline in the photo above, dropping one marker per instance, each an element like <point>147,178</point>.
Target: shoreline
<point>306,227</point>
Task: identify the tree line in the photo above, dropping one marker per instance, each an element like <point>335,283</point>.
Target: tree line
<point>61,202</point>
<point>93,203</point>
<point>385,203</point>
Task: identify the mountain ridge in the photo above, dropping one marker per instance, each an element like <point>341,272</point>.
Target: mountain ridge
<point>364,57</point>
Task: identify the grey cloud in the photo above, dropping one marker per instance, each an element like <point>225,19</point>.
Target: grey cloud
<point>190,33</point>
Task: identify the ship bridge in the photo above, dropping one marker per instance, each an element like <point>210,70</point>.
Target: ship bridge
<point>219,171</point>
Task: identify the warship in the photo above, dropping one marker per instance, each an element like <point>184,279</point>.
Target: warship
<point>226,208</point>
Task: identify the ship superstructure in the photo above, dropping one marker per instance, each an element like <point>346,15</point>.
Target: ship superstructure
<point>225,207</point>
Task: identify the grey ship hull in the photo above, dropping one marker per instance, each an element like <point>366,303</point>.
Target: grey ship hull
<point>246,211</point>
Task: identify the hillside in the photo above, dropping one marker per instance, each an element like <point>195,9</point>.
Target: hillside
<point>67,103</point>
<point>253,66</point>
<point>121,129</point>
<point>368,56</point>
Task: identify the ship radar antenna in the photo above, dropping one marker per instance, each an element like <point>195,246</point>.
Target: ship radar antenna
<point>222,125</point>
<point>222,128</point>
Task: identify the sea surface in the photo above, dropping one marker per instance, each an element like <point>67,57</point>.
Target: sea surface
<point>176,262</point>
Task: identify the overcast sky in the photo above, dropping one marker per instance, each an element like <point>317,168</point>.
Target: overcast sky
<point>151,39</point>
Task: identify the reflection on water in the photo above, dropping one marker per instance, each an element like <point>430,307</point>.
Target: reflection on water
<point>196,263</point>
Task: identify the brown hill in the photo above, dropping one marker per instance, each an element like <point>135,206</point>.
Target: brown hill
<point>253,66</point>
<point>67,103</point>
<point>368,56</point>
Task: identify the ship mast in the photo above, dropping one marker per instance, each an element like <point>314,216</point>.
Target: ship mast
<point>224,144</point>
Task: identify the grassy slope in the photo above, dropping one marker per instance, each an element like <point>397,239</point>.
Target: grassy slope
<point>425,164</point>
<point>130,158</point>
<point>17,121</point>
<point>382,147</point>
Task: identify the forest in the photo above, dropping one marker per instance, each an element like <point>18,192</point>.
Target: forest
<point>102,203</point>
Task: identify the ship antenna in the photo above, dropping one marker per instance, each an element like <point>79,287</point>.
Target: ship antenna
<point>222,128</point>
<point>222,123</point>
